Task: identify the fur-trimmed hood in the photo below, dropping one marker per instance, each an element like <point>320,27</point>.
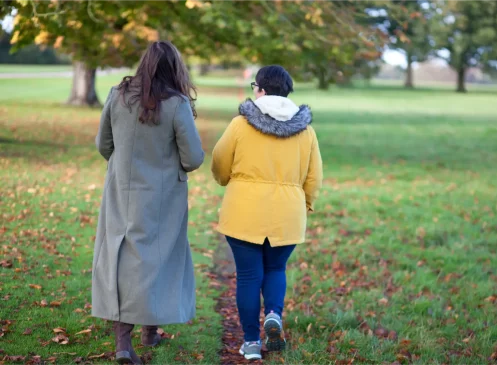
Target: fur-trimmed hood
<point>277,116</point>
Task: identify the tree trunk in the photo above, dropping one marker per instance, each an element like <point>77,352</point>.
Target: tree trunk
<point>461,83</point>
<point>323,81</point>
<point>409,84</point>
<point>83,86</point>
<point>204,69</point>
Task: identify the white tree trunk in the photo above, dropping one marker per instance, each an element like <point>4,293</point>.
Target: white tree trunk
<point>83,86</point>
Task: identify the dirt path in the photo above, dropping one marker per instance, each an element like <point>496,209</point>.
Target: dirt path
<point>224,272</point>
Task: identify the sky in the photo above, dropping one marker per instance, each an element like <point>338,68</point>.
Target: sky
<point>394,58</point>
<point>390,56</point>
<point>7,23</point>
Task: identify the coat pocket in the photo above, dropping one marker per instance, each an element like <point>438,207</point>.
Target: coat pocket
<point>183,176</point>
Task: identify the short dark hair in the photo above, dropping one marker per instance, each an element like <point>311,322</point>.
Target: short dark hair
<point>275,80</point>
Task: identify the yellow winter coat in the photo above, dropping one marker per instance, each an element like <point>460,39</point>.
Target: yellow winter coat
<point>269,160</point>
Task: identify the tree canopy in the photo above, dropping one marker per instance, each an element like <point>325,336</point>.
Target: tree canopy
<point>407,25</point>
<point>468,30</point>
<point>330,41</point>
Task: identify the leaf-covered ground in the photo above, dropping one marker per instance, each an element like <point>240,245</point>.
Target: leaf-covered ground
<point>399,265</point>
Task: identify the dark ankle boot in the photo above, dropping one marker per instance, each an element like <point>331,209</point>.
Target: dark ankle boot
<point>150,337</point>
<point>124,349</point>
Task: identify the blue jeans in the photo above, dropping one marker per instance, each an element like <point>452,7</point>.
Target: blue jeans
<point>259,268</point>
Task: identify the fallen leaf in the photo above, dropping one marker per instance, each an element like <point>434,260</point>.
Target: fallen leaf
<point>61,339</point>
<point>309,327</point>
<point>491,299</point>
<point>381,332</point>
<point>405,342</point>
<point>6,264</point>
<point>55,304</point>
<point>84,331</point>
<point>383,301</point>
<point>16,358</point>
<point>392,335</point>
<point>43,303</point>
<point>97,356</point>
<point>35,286</point>
<point>59,330</point>
<point>28,331</point>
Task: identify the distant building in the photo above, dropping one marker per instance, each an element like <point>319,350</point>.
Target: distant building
<point>390,72</point>
<point>434,70</point>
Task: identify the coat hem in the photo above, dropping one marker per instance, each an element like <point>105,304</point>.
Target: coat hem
<point>132,320</point>
<point>255,241</point>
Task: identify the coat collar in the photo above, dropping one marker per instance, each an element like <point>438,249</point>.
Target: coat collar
<point>298,118</point>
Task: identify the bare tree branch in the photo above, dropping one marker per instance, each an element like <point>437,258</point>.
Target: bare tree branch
<point>90,13</point>
<point>45,15</point>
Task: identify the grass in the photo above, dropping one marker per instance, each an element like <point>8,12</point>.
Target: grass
<point>401,253</point>
<point>33,68</point>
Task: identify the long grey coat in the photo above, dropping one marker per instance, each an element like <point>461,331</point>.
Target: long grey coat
<point>142,265</point>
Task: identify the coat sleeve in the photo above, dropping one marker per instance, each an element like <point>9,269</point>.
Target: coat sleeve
<point>104,139</point>
<point>187,137</point>
<point>314,178</point>
<point>223,155</point>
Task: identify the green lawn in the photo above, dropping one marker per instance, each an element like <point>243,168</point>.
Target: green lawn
<point>33,68</point>
<point>400,259</point>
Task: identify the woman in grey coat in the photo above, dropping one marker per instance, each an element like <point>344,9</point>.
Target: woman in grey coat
<point>142,265</point>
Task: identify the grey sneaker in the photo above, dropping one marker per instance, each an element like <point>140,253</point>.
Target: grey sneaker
<point>273,327</point>
<point>251,350</point>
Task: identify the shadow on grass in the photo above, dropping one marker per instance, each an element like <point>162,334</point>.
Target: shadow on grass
<point>366,139</point>
<point>351,138</point>
<point>33,150</point>
<point>31,143</point>
<point>375,118</point>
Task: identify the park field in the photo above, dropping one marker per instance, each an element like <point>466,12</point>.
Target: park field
<point>400,262</point>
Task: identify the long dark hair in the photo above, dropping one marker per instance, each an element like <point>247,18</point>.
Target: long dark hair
<point>160,75</point>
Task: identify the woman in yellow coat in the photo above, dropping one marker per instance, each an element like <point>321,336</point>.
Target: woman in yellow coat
<point>269,160</point>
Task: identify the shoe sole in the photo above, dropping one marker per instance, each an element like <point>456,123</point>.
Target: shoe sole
<point>250,357</point>
<point>124,358</point>
<point>274,341</point>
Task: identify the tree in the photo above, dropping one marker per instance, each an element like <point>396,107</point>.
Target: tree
<point>322,38</point>
<point>468,31</point>
<point>31,54</point>
<point>95,34</point>
<point>317,37</point>
<point>407,24</point>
